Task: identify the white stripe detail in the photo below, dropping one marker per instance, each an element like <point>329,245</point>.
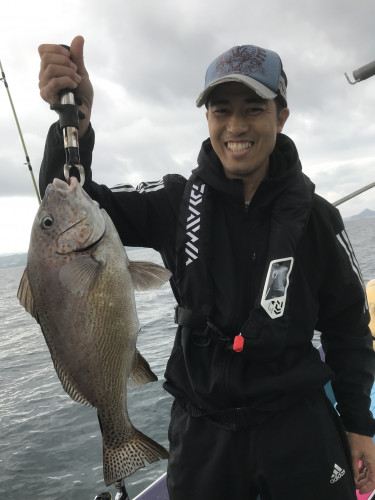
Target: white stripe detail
<point>345,243</point>
<point>144,187</point>
<point>120,187</point>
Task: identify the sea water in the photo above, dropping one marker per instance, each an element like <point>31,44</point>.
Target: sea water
<point>50,447</point>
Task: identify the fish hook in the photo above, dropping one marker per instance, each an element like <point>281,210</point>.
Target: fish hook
<point>80,169</point>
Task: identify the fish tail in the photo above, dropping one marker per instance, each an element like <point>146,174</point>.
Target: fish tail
<point>121,461</point>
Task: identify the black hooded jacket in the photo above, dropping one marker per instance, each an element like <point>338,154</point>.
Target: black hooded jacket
<point>326,292</point>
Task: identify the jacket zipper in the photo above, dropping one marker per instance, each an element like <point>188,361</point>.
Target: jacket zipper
<point>244,228</point>
<point>228,365</point>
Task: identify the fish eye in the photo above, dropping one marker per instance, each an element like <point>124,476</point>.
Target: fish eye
<point>46,222</point>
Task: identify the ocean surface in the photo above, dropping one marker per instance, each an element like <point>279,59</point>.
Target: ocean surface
<point>50,447</point>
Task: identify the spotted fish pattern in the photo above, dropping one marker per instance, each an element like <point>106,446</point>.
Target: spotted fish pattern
<point>79,285</point>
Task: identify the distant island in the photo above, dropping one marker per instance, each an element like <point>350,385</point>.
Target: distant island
<point>19,259</point>
<point>363,215</point>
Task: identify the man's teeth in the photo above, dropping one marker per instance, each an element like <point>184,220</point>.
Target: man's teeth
<point>237,147</point>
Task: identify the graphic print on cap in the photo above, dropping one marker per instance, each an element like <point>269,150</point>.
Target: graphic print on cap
<point>241,60</point>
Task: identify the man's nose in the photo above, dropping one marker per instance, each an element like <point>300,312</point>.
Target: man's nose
<point>237,124</point>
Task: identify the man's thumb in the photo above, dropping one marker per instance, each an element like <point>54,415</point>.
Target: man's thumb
<point>76,52</point>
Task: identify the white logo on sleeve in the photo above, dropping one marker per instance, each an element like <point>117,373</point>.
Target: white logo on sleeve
<point>337,474</point>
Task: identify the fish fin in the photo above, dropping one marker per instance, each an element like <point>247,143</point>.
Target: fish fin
<point>25,296</point>
<point>147,275</point>
<point>78,274</point>
<point>122,461</point>
<point>68,385</point>
<point>141,372</point>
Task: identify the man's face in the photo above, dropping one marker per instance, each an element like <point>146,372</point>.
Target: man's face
<point>243,129</point>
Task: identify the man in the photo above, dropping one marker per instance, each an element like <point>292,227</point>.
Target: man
<point>258,261</point>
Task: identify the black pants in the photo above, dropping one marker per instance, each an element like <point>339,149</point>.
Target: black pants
<point>301,454</point>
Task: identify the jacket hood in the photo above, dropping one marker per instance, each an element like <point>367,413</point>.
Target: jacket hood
<point>284,164</point>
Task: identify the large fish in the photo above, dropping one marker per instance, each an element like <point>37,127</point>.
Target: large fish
<point>79,286</point>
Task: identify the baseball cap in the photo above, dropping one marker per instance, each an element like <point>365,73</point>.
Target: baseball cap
<point>259,69</point>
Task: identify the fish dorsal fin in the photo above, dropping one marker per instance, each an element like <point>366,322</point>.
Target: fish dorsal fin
<point>141,372</point>
<point>25,296</point>
<point>79,273</point>
<point>147,275</point>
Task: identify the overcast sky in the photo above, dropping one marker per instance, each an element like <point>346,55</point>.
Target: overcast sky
<point>147,62</point>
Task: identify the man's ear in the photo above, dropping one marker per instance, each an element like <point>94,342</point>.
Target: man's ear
<point>282,118</point>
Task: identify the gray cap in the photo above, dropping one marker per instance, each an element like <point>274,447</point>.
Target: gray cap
<point>259,69</point>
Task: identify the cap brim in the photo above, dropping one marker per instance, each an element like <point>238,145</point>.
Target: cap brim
<point>254,85</point>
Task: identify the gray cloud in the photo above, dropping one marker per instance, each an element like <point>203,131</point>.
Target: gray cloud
<point>147,62</point>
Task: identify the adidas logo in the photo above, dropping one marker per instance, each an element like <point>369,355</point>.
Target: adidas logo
<point>336,474</point>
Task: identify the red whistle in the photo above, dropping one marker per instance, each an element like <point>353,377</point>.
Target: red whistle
<point>238,343</point>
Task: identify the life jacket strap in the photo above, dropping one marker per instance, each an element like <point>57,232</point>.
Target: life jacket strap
<point>189,318</point>
<point>201,325</point>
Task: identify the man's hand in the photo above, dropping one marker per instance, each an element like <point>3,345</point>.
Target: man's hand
<point>61,69</point>
<point>363,449</point>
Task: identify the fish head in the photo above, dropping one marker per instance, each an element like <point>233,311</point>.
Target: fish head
<point>68,220</point>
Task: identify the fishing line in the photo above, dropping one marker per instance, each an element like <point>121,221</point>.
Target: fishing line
<point>3,79</point>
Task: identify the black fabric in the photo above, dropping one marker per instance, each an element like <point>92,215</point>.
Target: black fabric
<point>265,337</point>
<point>207,462</point>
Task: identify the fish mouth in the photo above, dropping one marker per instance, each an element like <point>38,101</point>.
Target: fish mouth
<point>84,227</point>
<point>81,249</point>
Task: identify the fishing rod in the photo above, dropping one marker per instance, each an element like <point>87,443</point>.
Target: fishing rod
<point>352,195</point>
<point>69,117</point>
<point>3,79</point>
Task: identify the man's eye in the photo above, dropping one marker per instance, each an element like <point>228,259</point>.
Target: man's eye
<point>254,111</point>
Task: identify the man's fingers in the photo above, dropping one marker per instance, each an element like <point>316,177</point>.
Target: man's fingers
<point>356,467</point>
<point>365,485</point>
<point>365,482</point>
<point>50,59</point>
<point>50,91</point>
<point>52,48</point>
<point>57,72</point>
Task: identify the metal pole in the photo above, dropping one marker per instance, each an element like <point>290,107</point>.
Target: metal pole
<point>352,195</point>
<point>20,133</point>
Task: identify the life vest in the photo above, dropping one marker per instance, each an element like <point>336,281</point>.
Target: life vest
<point>264,333</point>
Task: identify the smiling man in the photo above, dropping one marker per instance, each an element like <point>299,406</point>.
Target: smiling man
<point>258,261</point>
<point>243,128</point>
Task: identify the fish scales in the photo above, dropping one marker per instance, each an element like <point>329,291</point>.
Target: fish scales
<point>79,285</point>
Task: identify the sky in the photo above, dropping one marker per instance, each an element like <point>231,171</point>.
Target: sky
<point>147,62</point>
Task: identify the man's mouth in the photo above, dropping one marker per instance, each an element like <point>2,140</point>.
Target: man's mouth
<point>238,147</point>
